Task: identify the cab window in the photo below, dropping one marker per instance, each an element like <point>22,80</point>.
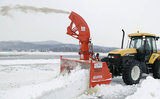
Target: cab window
<point>136,42</point>
<point>151,44</point>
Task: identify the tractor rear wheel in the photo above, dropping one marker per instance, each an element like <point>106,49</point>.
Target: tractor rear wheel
<point>156,69</point>
<point>132,72</point>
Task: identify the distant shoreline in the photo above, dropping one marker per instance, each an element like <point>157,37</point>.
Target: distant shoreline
<point>45,46</point>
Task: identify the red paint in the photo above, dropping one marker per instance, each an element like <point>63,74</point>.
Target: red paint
<point>80,32</point>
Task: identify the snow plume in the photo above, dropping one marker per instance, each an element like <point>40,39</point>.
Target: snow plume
<point>4,10</point>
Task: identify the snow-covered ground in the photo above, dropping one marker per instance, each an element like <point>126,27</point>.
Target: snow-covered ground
<point>40,79</point>
<point>42,53</point>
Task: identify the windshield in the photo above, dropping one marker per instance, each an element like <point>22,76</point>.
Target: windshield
<point>136,42</point>
<point>151,44</point>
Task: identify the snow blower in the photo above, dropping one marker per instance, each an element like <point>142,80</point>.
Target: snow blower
<point>99,72</point>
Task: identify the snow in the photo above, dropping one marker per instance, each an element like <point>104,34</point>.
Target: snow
<point>44,53</point>
<point>116,90</point>
<point>57,88</point>
<point>41,79</point>
<point>38,53</point>
<point>149,89</point>
<point>16,73</point>
<point>28,61</point>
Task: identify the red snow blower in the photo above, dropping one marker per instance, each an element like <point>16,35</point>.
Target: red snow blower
<point>99,72</point>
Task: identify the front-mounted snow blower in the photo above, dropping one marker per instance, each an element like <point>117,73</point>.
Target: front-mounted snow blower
<point>99,72</point>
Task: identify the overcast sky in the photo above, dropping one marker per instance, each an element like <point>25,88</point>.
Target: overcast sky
<point>105,18</point>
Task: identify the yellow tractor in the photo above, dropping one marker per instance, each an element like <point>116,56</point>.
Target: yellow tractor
<point>141,56</point>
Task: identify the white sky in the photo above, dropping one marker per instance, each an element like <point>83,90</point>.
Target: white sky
<point>105,18</point>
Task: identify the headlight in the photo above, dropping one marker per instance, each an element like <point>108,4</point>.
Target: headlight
<point>115,57</point>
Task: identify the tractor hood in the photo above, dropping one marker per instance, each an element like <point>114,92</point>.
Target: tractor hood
<point>123,52</point>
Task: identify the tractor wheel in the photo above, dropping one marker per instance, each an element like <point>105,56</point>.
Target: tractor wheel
<point>132,72</point>
<point>156,69</point>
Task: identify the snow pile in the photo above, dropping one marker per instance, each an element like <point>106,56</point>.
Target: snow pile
<point>150,89</point>
<point>69,86</point>
<point>115,90</point>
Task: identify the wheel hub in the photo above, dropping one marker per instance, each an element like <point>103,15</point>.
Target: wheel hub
<point>135,73</point>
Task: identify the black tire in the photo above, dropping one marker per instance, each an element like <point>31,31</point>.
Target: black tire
<point>132,72</point>
<point>156,69</point>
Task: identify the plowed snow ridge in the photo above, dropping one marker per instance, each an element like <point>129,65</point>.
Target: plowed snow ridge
<point>58,88</point>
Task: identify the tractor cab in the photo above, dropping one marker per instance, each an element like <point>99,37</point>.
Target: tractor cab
<point>144,43</point>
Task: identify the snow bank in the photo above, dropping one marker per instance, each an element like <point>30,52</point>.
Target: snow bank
<point>150,89</point>
<point>115,90</point>
<point>68,86</point>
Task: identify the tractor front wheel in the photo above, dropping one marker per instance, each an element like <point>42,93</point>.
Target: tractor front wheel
<point>132,72</point>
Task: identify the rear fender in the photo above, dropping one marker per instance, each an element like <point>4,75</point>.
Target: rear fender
<point>153,58</point>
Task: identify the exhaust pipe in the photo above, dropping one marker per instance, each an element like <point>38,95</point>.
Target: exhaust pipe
<point>122,38</point>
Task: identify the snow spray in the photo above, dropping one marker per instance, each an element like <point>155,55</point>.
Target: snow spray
<point>4,10</point>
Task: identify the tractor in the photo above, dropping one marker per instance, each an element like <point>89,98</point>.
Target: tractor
<point>140,56</point>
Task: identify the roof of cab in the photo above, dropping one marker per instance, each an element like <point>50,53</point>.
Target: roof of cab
<point>141,34</point>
